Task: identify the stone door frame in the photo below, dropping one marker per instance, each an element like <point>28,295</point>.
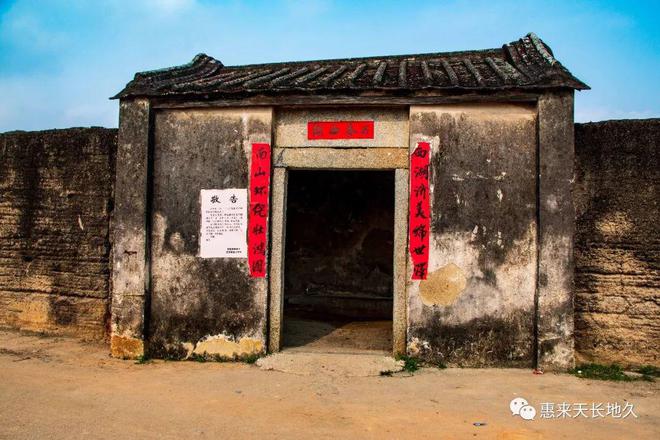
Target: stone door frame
<point>346,158</point>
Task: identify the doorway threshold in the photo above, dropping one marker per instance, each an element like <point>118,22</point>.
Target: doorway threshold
<point>337,336</point>
<point>311,363</point>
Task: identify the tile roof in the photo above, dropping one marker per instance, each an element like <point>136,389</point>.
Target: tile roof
<point>527,63</point>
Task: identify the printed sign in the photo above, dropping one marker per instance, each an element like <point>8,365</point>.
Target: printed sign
<point>223,223</point>
<point>259,193</point>
<point>340,130</point>
<point>420,212</point>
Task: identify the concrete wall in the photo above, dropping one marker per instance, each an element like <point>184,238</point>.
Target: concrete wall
<point>56,197</point>
<point>200,305</point>
<point>617,251</point>
<point>477,306</point>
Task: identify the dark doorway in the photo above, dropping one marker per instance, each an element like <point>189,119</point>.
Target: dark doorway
<point>338,260</point>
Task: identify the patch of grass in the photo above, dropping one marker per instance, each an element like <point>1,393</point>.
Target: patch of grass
<point>649,371</point>
<point>206,357</point>
<point>195,357</point>
<point>441,365</point>
<point>219,358</point>
<point>612,372</point>
<point>251,358</point>
<point>142,359</point>
<point>410,364</point>
<point>601,372</point>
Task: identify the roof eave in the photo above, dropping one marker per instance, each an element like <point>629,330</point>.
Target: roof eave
<point>394,92</point>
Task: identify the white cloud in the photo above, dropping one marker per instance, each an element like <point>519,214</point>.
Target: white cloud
<point>307,8</point>
<point>27,31</point>
<point>169,6</point>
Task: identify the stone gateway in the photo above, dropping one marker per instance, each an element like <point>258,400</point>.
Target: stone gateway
<point>416,204</point>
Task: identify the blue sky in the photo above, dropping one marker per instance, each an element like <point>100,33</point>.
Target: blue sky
<point>60,60</point>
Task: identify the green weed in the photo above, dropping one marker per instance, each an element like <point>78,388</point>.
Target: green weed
<point>195,357</point>
<point>251,358</point>
<point>649,371</point>
<point>613,372</point>
<point>410,364</point>
<point>142,359</point>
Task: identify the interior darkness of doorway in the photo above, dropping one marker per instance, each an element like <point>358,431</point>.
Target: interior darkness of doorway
<point>339,256</point>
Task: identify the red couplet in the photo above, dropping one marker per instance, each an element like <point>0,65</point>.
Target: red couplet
<point>258,215</point>
<point>340,130</point>
<point>420,212</point>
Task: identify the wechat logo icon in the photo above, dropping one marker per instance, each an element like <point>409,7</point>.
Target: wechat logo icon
<point>520,407</point>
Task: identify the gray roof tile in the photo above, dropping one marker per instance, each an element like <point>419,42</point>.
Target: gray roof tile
<point>527,63</point>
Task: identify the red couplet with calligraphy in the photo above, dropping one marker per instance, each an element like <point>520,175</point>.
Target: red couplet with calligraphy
<point>258,215</point>
<point>340,130</point>
<point>420,212</point>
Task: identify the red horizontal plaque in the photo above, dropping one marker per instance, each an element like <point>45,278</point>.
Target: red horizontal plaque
<point>340,130</point>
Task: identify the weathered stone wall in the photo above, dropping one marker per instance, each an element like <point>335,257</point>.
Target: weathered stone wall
<point>56,191</point>
<point>617,252</point>
<point>477,306</point>
<point>201,305</point>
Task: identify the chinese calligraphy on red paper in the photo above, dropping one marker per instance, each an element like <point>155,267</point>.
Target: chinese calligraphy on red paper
<point>258,214</point>
<point>420,212</point>
<point>317,130</point>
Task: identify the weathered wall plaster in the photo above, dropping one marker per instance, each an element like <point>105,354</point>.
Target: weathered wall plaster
<point>556,215</point>
<point>443,286</point>
<point>201,305</point>
<point>129,233</point>
<point>476,307</point>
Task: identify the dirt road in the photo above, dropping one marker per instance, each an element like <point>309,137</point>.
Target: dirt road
<point>57,388</point>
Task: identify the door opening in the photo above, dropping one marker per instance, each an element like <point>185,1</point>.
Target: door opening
<point>338,271</point>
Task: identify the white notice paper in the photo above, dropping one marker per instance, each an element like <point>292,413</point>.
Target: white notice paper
<point>223,223</point>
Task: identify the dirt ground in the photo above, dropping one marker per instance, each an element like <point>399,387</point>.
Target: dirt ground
<point>59,388</point>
